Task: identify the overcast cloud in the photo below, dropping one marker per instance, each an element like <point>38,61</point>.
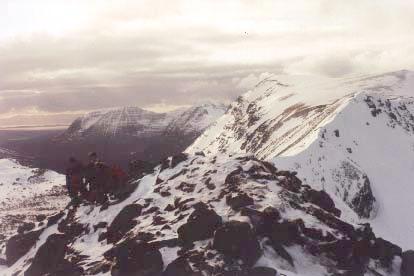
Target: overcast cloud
<point>62,57</point>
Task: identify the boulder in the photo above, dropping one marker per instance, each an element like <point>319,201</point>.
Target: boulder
<point>236,239</point>
<point>138,168</point>
<point>286,232</point>
<point>135,258</point>
<point>54,218</point>
<point>40,217</point>
<point>176,159</point>
<point>26,226</point>
<point>180,267</point>
<point>123,222</point>
<point>407,265</point>
<point>18,245</point>
<point>385,251</point>
<point>50,259</point>
<point>239,201</point>
<point>323,200</point>
<point>200,225</point>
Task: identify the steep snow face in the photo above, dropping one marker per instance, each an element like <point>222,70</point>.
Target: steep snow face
<point>352,137</point>
<point>369,145</point>
<point>26,193</point>
<point>209,215</point>
<point>135,121</point>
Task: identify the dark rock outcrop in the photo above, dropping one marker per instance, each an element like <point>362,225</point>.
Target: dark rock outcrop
<point>407,265</point>
<point>123,222</point>
<point>135,258</point>
<point>180,267</point>
<point>20,244</point>
<point>236,239</point>
<point>239,201</point>
<point>50,259</point>
<point>200,225</point>
<point>323,200</point>
<point>26,226</point>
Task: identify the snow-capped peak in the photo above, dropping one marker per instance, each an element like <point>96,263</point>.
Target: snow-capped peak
<point>136,121</point>
<point>352,137</point>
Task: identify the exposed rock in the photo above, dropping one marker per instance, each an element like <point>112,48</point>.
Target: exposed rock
<point>135,258</point>
<point>239,201</point>
<point>100,225</point>
<point>50,259</point>
<point>262,271</point>
<point>323,200</point>
<point>200,225</point>
<point>138,168</point>
<point>26,226</point>
<point>407,266</point>
<point>286,232</point>
<point>236,239</point>
<point>20,244</point>
<point>180,267</point>
<point>385,251</point>
<point>176,159</point>
<point>123,222</point>
<point>364,200</point>
<point>55,218</point>
<point>40,217</point>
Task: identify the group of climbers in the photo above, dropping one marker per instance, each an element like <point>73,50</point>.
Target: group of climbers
<point>95,181</point>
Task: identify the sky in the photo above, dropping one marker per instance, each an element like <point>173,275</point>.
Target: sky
<point>62,58</point>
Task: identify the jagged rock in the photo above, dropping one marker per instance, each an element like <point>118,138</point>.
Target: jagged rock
<point>176,159</point>
<point>55,218</point>
<point>407,265</point>
<point>50,259</point>
<point>385,251</point>
<point>290,181</point>
<point>100,225</point>
<point>323,200</point>
<point>261,221</point>
<point>286,232</point>
<point>138,168</point>
<point>123,222</point>
<point>262,271</point>
<point>135,258</point>
<point>200,225</point>
<point>40,217</point>
<point>364,200</point>
<point>236,239</point>
<point>239,201</point>
<point>20,244</point>
<point>180,267</point>
<point>26,226</point>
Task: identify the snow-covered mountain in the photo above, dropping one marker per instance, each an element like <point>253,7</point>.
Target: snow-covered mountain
<point>197,215</point>
<point>353,138</point>
<point>134,121</point>
<point>27,194</point>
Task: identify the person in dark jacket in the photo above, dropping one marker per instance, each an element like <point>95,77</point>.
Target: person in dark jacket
<point>74,176</point>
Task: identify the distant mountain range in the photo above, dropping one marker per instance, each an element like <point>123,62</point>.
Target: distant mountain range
<point>119,135</point>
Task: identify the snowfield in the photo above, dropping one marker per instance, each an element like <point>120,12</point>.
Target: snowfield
<point>27,193</point>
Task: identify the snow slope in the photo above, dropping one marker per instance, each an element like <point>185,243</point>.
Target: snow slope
<point>26,193</point>
<point>351,137</point>
<point>174,211</point>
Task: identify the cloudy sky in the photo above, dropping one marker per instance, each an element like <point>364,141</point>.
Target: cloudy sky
<point>60,58</point>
